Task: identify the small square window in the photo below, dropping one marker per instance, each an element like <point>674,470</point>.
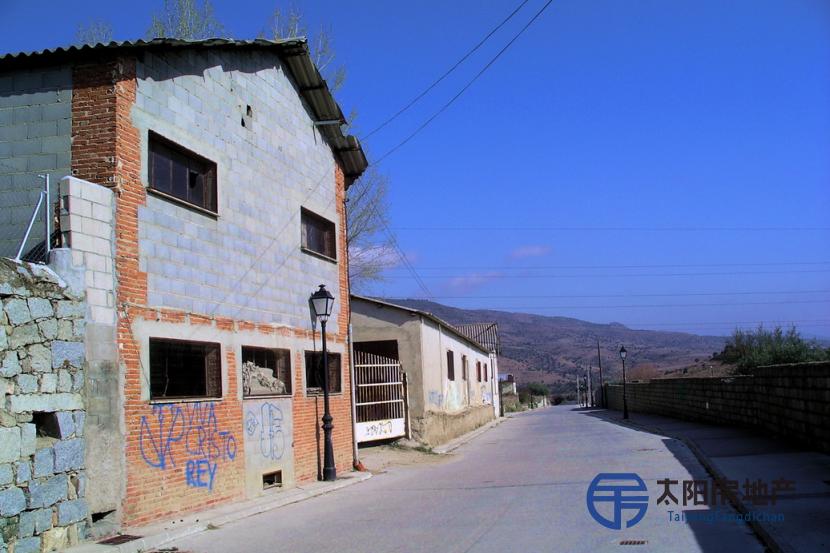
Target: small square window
<point>265,372</point>
<point>314,373</point>
<point>318,234</point>
<point>181,369</point>
<point>181,174</point>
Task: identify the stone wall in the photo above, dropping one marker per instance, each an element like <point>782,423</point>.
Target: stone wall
<point>791,401</point>
<point>42,444</point>
<point>436,428</point>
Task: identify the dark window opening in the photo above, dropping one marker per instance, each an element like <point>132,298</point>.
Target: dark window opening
<point>180,369</point>
<point>46,425</point>
<point>266,371</point>
<point>463,367</point>
<point>182,174</point>
<point>485,373</point>
<point>450,365</point>
<point>478,371</point>
<point>272,480</point>
<point>314,372</point>
<point>318,234</point>
<point>384,348</point>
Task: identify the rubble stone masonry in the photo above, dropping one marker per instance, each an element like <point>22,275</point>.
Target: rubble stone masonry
<point>42,416</point>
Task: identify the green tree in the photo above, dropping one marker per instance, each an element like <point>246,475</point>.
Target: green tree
<point>749,349</point>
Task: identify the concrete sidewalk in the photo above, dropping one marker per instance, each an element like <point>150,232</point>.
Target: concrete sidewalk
<point>155,536</point>
<point>739,454</point>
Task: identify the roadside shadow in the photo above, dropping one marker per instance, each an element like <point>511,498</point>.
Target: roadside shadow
<point>711,535</point>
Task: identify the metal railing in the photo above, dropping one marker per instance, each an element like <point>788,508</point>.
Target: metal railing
<point>39,252</point>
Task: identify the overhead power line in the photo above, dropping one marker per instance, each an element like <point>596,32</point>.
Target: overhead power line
<point>615,275</point>
<point>651,266</point>
<point>666,295</point>
<point>452,100</point>
<point>448,71</point>
<point>546,307</point>
<point>612,229</point>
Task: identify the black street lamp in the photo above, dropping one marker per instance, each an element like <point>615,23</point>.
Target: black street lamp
<point>623,352</point>
<point>321,303</point>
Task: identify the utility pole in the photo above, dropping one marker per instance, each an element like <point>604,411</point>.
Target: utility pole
<point>591,386</point>
<point>601,387</point>
<point>578,393</point>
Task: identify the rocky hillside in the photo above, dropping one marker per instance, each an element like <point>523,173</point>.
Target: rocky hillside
<point>536,348</point>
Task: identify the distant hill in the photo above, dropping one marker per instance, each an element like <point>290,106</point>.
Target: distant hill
<point>536,348</point>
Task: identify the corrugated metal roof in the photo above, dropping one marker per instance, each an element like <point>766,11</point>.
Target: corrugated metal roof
<point>293,52</point>
<point>487,334</point>
<point>426,314</point>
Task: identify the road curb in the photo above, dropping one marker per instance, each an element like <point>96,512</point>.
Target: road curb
<point>221,516</point>
<point>774,544</point>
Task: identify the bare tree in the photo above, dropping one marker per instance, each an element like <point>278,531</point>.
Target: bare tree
<point>93,32</point>
<point>371,248</point>
<point>185,19</point>
<point>289,23</point>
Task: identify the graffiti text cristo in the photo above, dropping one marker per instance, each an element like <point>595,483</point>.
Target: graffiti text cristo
<point>191,429</point>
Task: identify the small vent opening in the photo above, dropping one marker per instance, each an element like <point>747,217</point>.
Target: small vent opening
<point>272,480</point>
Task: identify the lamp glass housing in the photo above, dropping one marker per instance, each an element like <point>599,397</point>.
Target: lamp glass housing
<point>322,303</point>
<point>623,352</point>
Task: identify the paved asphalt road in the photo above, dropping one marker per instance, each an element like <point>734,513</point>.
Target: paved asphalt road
<point>518,487</point>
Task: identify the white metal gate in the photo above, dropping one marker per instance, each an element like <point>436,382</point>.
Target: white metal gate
<point>380,397</point>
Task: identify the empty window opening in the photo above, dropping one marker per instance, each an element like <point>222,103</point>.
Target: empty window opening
<point>102,515</point>
<point>46,425</point>
<point>181,369</point>
<point>266,371</point>
<point>463,367</point>
<point>272,480</point>
<point>478,371</point>
<point>314,371</point>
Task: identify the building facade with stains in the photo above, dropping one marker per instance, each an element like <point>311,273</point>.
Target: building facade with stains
<point>202,189</point>
<point>452,380</point>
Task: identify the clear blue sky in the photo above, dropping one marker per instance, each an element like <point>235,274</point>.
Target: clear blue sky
<point>695,114</point>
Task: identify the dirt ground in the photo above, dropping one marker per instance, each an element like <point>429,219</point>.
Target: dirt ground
<point>379,458</point>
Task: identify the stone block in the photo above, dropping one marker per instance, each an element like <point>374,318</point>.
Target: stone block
<point>24,472</point>
<point>49,383</point>
<point>64,330</point>
<point>44,462</point>
<point>9,444</point>
<point>67,352</point>
<point>40,308</point>
<point>48,492</point>
<point>72,511</point>
<point>48,328</point>
<point>66,424</point>
<point>43,520</point>
<point>70,309</point>
<point>6,474</point>
<point>78,381</point>
<point>56,539</point>
<point>64,381</point>
<point>69,454</point>
<point>27,383</point>
<point>17,311</point>
<point>80,421</point>
<point>12,502</point>
<point>10,365</point>
<point>4,338</point>
<point>24,335</point>
<point>45,402</point>
<point>29,545</point>
<point>28,439</point>
<point>39,359</point>
<point>26,524</point>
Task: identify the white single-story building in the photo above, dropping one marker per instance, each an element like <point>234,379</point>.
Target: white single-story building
<point>451,379</point>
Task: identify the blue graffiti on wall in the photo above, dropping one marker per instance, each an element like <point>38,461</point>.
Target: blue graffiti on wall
<point>269,424</point>
<point>193,425</point>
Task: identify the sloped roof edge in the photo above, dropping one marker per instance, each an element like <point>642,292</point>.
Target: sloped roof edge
<point>426,315</point>
<point>293,52</point>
